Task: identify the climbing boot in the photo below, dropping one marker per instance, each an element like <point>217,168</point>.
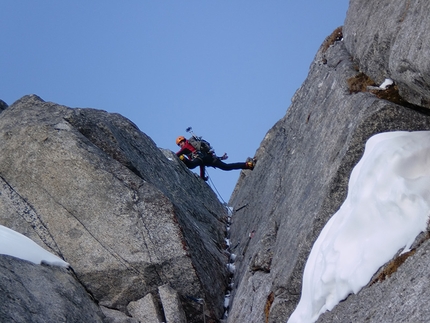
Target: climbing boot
<point>250,163</point>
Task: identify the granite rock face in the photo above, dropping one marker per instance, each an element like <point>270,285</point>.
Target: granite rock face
<point>93,189</point>
<point>305,160</point>
<point>391,39</point>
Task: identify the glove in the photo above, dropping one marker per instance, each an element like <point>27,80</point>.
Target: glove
<point>181,157</point>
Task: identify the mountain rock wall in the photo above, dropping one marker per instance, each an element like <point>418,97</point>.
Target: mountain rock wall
<point>91,188</point>
<point>146,238</point>
<point>305,160</point>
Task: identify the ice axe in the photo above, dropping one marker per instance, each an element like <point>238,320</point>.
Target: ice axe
<point>190,130</point>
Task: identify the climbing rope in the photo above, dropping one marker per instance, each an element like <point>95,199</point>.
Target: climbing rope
<point>211,184</point>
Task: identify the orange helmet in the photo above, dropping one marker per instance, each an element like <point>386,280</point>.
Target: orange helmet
<point>179,139</point>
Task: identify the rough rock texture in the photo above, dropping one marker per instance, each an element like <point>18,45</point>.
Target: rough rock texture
<point>42,294</point>
<point>90,187</point>
<point>115,316</point>
<point>391,39</point>
<point>305,160</point>
<point>145,310</point>
<point>172,307</point>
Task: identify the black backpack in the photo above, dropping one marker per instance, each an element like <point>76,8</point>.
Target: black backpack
<point>201,145</point>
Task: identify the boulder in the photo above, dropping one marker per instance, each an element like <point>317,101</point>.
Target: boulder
<point>145,310</point>
<point>171,304</point>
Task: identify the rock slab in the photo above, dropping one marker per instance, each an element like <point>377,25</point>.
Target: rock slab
<point>90,187</point>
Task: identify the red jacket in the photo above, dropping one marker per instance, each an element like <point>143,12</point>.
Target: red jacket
<point>187,149</point>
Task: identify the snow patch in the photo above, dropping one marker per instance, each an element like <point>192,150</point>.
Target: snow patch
<point>387,206</point>
<point>17,245</point>
<point>387,83</point>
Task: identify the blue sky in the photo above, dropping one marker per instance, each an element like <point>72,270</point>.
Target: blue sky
<point>227,68</point>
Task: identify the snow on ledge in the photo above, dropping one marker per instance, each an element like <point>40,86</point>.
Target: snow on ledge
<point>387,206</point>
<point>17,245</point>
<point>386,84</point>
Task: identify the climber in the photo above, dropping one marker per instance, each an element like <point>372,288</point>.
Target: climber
<point>202,158</point>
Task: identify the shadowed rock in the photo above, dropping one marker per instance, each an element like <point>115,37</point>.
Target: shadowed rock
<point>43,294</point>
